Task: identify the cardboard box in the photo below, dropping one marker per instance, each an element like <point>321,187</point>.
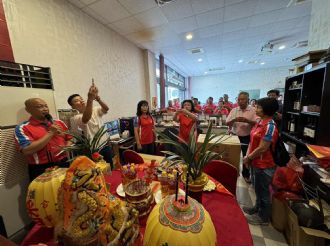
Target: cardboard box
<point>230,146</point>
<point>302,236</point>
<point>279,214</point>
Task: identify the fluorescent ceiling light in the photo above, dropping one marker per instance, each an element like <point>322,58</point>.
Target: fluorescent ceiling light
<point>205,72</point>
<point>189,36</point>
<point>281,47</point>
<point>240,61</point>
<point>262,63</point>
<point>200,60</point>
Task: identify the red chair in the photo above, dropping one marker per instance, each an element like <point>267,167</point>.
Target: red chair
<point>131,156</point>
<point>223,172</point>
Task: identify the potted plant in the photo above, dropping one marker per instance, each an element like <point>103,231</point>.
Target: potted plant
<point>88,147</point>
<point>194,156</point>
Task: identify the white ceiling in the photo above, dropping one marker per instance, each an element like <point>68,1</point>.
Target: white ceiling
<point>227,30</point>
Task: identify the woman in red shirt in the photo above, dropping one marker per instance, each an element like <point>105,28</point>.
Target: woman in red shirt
<point>187,119</point>
<point>144,129</point>
<point>263,137</point>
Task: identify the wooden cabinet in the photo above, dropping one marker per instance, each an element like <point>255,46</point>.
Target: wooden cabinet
<point>306,109</point>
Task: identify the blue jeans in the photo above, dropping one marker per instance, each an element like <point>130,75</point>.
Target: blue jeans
<point>262,179</point>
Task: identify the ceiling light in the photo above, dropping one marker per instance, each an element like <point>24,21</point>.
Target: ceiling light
<point>281,47</point>
<point>240,61</point>
<point>205,72</point>
<point>189,36</point>
<point>262,63</point>
<point>200,60</point>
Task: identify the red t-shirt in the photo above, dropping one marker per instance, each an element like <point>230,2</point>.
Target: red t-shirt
<point>32,130</point>
<point>222,111</point>
<point>198,107</point>
<point>264,130</point>
<point>186,123</point>
<point>228,105</point>
<point>146,125</point>
<point>209,108</point>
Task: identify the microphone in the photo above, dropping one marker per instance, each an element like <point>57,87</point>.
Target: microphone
<point>49,118</point>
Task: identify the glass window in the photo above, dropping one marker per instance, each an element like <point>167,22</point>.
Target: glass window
<point>174,84</point>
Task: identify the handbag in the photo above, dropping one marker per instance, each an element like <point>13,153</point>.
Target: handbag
<point>280,155</point>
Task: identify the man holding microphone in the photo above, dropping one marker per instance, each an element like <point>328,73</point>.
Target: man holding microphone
<point>40,138</point>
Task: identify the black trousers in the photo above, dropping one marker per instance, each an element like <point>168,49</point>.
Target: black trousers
<point>148,149</point>
<point>36,170</point>
<point>107,155</point>
<point>245,143</point>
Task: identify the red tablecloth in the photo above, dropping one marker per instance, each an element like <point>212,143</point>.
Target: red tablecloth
<point>229,221</point>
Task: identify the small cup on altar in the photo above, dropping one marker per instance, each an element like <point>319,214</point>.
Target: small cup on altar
<point>164,184</point>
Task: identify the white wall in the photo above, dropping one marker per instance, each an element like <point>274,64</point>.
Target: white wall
<point>319,31</point>
<point>231,83</point>
<point>54,33</point>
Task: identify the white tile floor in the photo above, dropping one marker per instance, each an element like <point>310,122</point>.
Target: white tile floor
<point>262,235</point>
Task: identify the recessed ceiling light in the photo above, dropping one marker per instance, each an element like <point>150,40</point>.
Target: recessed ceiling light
<point>240,61</point>
<point>205,72</point>
<point>189,36</point>
<point>262,63</point>
<point>282,47</point>
<point>200,60</point>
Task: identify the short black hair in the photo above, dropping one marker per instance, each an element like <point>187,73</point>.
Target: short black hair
<point>71,97</point>
<point>191,103</point>
<point>277,92</point>
<point>269,105</point>
<point>195,98</point>
<point>210,98</point>
<point>140,104</point>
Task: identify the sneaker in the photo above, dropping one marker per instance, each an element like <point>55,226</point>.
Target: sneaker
<point>250,210</point>
<point>255,220</point>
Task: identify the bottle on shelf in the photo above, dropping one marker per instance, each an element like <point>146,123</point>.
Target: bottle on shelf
<point>292,125</point>
<point>312,128</point>
<point>296,103</point>
<point>306,128</point>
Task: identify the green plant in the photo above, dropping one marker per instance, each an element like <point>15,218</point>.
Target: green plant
<point>85,146</point>
<point>194,156</point>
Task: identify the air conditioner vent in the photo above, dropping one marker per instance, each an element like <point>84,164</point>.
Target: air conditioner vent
<point>300,44</point>
<point>196,51</point>
<point>216,69</point>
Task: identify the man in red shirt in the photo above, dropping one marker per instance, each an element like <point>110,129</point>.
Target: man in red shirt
<point>227,104</point>
<point>209,107</point>
<point>41,138</point>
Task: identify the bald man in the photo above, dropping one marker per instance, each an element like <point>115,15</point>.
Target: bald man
<point>40,139</point>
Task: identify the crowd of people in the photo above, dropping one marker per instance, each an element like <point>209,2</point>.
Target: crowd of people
<point>255,122</point>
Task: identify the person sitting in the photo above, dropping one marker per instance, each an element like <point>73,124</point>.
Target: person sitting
<point>187,119</point>
<point>259,156</point>
<point>89,120</point>
<point>144,129</point>
<point>209,107</point>
<point>40,138</point>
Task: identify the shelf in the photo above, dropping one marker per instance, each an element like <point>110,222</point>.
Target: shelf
<point>316,114</point>
<point>295,89</point>
<point>294,138</point>
<point>294,113</point>
<point>308,71</point>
